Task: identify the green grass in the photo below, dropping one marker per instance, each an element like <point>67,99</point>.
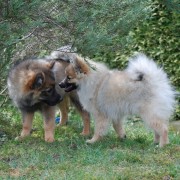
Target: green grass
<point>69,157</point>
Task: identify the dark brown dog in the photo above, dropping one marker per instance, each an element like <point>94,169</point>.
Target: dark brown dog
<point>33,86</point>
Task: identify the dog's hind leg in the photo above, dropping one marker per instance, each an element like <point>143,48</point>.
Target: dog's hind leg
<point>64,108</point>
<point>163,135</point>
<point>118,126</point>
<point>86,122</point>
<point>160,131</point>
<point>156,138</point>
<point>101,128</point>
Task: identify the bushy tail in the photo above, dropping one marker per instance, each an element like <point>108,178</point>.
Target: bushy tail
<point>64,53</point>
<point>155,78</point>
<point>141,64</point>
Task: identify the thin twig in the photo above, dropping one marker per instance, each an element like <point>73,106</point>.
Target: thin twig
<point>30,34</point>
<point>1,93</point>
<point>24,37</point>
<point>5,99</point>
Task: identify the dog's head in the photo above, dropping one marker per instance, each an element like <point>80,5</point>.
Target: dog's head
<point>39,85</point>
<point>75,71</point>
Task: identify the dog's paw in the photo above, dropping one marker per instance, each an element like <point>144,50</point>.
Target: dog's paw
<point>123,137</point>
<point>19,138</point>
<point>156,143</point>
<point>90,141</point>
<point>49,139</point>
<point>162,144</point>
<point>94,139</point>
<point>85,133</point>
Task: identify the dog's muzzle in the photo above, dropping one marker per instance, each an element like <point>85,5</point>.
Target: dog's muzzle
<point>68,86</point>
<point>52,101</point>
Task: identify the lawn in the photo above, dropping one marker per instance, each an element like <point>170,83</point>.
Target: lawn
<point>69,157</point>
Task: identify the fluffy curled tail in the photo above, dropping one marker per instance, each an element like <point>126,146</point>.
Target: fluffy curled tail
<point>144,69</point>
<point>141,64</point>
<point>64,53</point>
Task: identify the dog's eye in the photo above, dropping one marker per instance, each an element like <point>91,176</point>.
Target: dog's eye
<point>48,90</point>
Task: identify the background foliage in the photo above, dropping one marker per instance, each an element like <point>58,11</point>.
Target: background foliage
<point>107,30</point>
<point>34,27</point>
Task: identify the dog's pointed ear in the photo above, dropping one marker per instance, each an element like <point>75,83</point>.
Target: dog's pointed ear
<point>51,64</point>
<point>38,81</point>
<point>79,64</point>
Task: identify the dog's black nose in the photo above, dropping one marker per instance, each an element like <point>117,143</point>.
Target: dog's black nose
<point>71,87</point>
<point>62,85</point>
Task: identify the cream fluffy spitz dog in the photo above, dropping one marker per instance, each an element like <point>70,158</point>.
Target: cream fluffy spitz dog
<point>110,95</point>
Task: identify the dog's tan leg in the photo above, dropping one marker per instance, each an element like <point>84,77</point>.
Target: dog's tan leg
<point>118,126</point>
<point>101,128</point>
<point>49,123</point>
<point>64,108</point>
<point>161,131</point>
<point>164,136</point>
<point>27,124</point>
<point>86,123</point>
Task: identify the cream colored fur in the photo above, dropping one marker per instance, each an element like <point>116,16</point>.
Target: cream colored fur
<point>142,89</point>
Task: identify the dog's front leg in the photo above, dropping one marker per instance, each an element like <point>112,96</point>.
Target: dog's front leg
<point>27,118</point>
<point>118,126</point>
<point>49,123</point>
<point>86,123</point>
<point>101,128</point>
